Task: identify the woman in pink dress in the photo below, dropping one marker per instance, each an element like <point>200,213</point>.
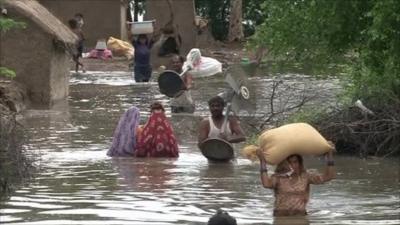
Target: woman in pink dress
<point>157,138</point>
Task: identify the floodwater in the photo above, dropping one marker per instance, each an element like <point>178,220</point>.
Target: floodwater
<point>77,183</point>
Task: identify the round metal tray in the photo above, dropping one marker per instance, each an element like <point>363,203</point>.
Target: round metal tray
<point>170,83</point>
<point>217,149</point>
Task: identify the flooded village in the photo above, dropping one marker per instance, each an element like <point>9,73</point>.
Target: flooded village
<point>210,112</point>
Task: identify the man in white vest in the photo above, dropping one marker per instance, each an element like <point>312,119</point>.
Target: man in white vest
<point>215,126</point>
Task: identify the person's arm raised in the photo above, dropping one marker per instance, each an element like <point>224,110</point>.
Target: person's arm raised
<point>237,131</point>
<point>329,172</point>
<point>266,180</point>
<point>188,81</point>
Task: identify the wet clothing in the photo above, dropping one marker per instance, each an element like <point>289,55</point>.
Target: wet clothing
<point>292,193</point>
<point>124,141</point>
<point>142,69</point>
<point>80,48</point>
<point>142,73</point>
<point>142,53</point>
<point>157,138</point>
<point>79,44</point>
<point>184,102</point>
<point>215,131</point>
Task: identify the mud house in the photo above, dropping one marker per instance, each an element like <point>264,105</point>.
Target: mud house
<point>102,18</point>
<point>183,13</point>
<point>39,53</point>
<point>180,13</point>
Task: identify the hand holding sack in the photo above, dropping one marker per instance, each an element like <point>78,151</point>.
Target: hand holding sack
<point>296,138</point>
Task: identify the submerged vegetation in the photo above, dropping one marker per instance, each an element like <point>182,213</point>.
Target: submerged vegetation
<point>14,167</point>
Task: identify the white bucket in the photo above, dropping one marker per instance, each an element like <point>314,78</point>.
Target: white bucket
<point>101,45</point>
<point>144,27</point>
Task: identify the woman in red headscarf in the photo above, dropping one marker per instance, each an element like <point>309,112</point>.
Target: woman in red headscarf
<point>157,138</point>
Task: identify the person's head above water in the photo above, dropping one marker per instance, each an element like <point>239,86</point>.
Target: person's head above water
<point>216,105</point>
<point>79,18</point>
<point>143,39</point>
<point>73,24</point>
<point>176,63</point>
<point>157,107</point>
<point>295,162</point>
<point>221,218</point>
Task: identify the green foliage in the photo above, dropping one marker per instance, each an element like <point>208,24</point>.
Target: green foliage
<point>378,71</point>
<point>253,16</point>
<point>365,34</point>
<point>7,72</point>
<point>138,8</point>
<point>252,139</point>
<point>218,14</point>
<point>5,25</point>
<point>308,115</point>
<point>304,30</point>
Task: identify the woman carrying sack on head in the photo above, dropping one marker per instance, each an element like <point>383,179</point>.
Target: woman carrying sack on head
<point>291,183</point>
<point>284,146</point>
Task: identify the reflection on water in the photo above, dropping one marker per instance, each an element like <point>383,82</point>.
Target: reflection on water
<point>78,184</point>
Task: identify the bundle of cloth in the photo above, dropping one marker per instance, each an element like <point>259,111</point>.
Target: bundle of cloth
<point>201,66</point>
<point>100,51</point>
<point>120,47</point>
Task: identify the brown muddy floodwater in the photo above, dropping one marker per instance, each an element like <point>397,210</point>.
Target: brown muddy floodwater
<point>78,184</point>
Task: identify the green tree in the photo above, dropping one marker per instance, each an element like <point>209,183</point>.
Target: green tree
<point>218,13</point>
<point>136,7</point>
<point>365,34</point>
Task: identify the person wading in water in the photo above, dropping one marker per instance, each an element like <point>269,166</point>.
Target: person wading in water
<point>291,183</point>
<point>213,126</point>
<point>184,102</point>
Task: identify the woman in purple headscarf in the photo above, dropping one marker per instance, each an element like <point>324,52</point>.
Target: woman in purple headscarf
<point>124,138</point>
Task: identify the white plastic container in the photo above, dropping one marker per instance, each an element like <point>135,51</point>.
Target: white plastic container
<point>101,45</point>
<point>144,27</point>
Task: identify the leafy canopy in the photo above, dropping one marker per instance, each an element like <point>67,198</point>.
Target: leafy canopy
<point>218,11</point>
<point>366,34</point>
<point>5,25</point>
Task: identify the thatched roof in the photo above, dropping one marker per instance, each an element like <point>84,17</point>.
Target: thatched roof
<point>33,10</point>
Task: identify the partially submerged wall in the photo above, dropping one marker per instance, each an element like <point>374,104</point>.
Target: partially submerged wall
<point>41,66</point>
<point>59,75</point>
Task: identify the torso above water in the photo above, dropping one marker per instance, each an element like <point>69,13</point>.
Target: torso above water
<point>215,131</point>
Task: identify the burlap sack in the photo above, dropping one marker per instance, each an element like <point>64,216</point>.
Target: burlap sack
<point>296,138</point>
<point>120,48</point>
